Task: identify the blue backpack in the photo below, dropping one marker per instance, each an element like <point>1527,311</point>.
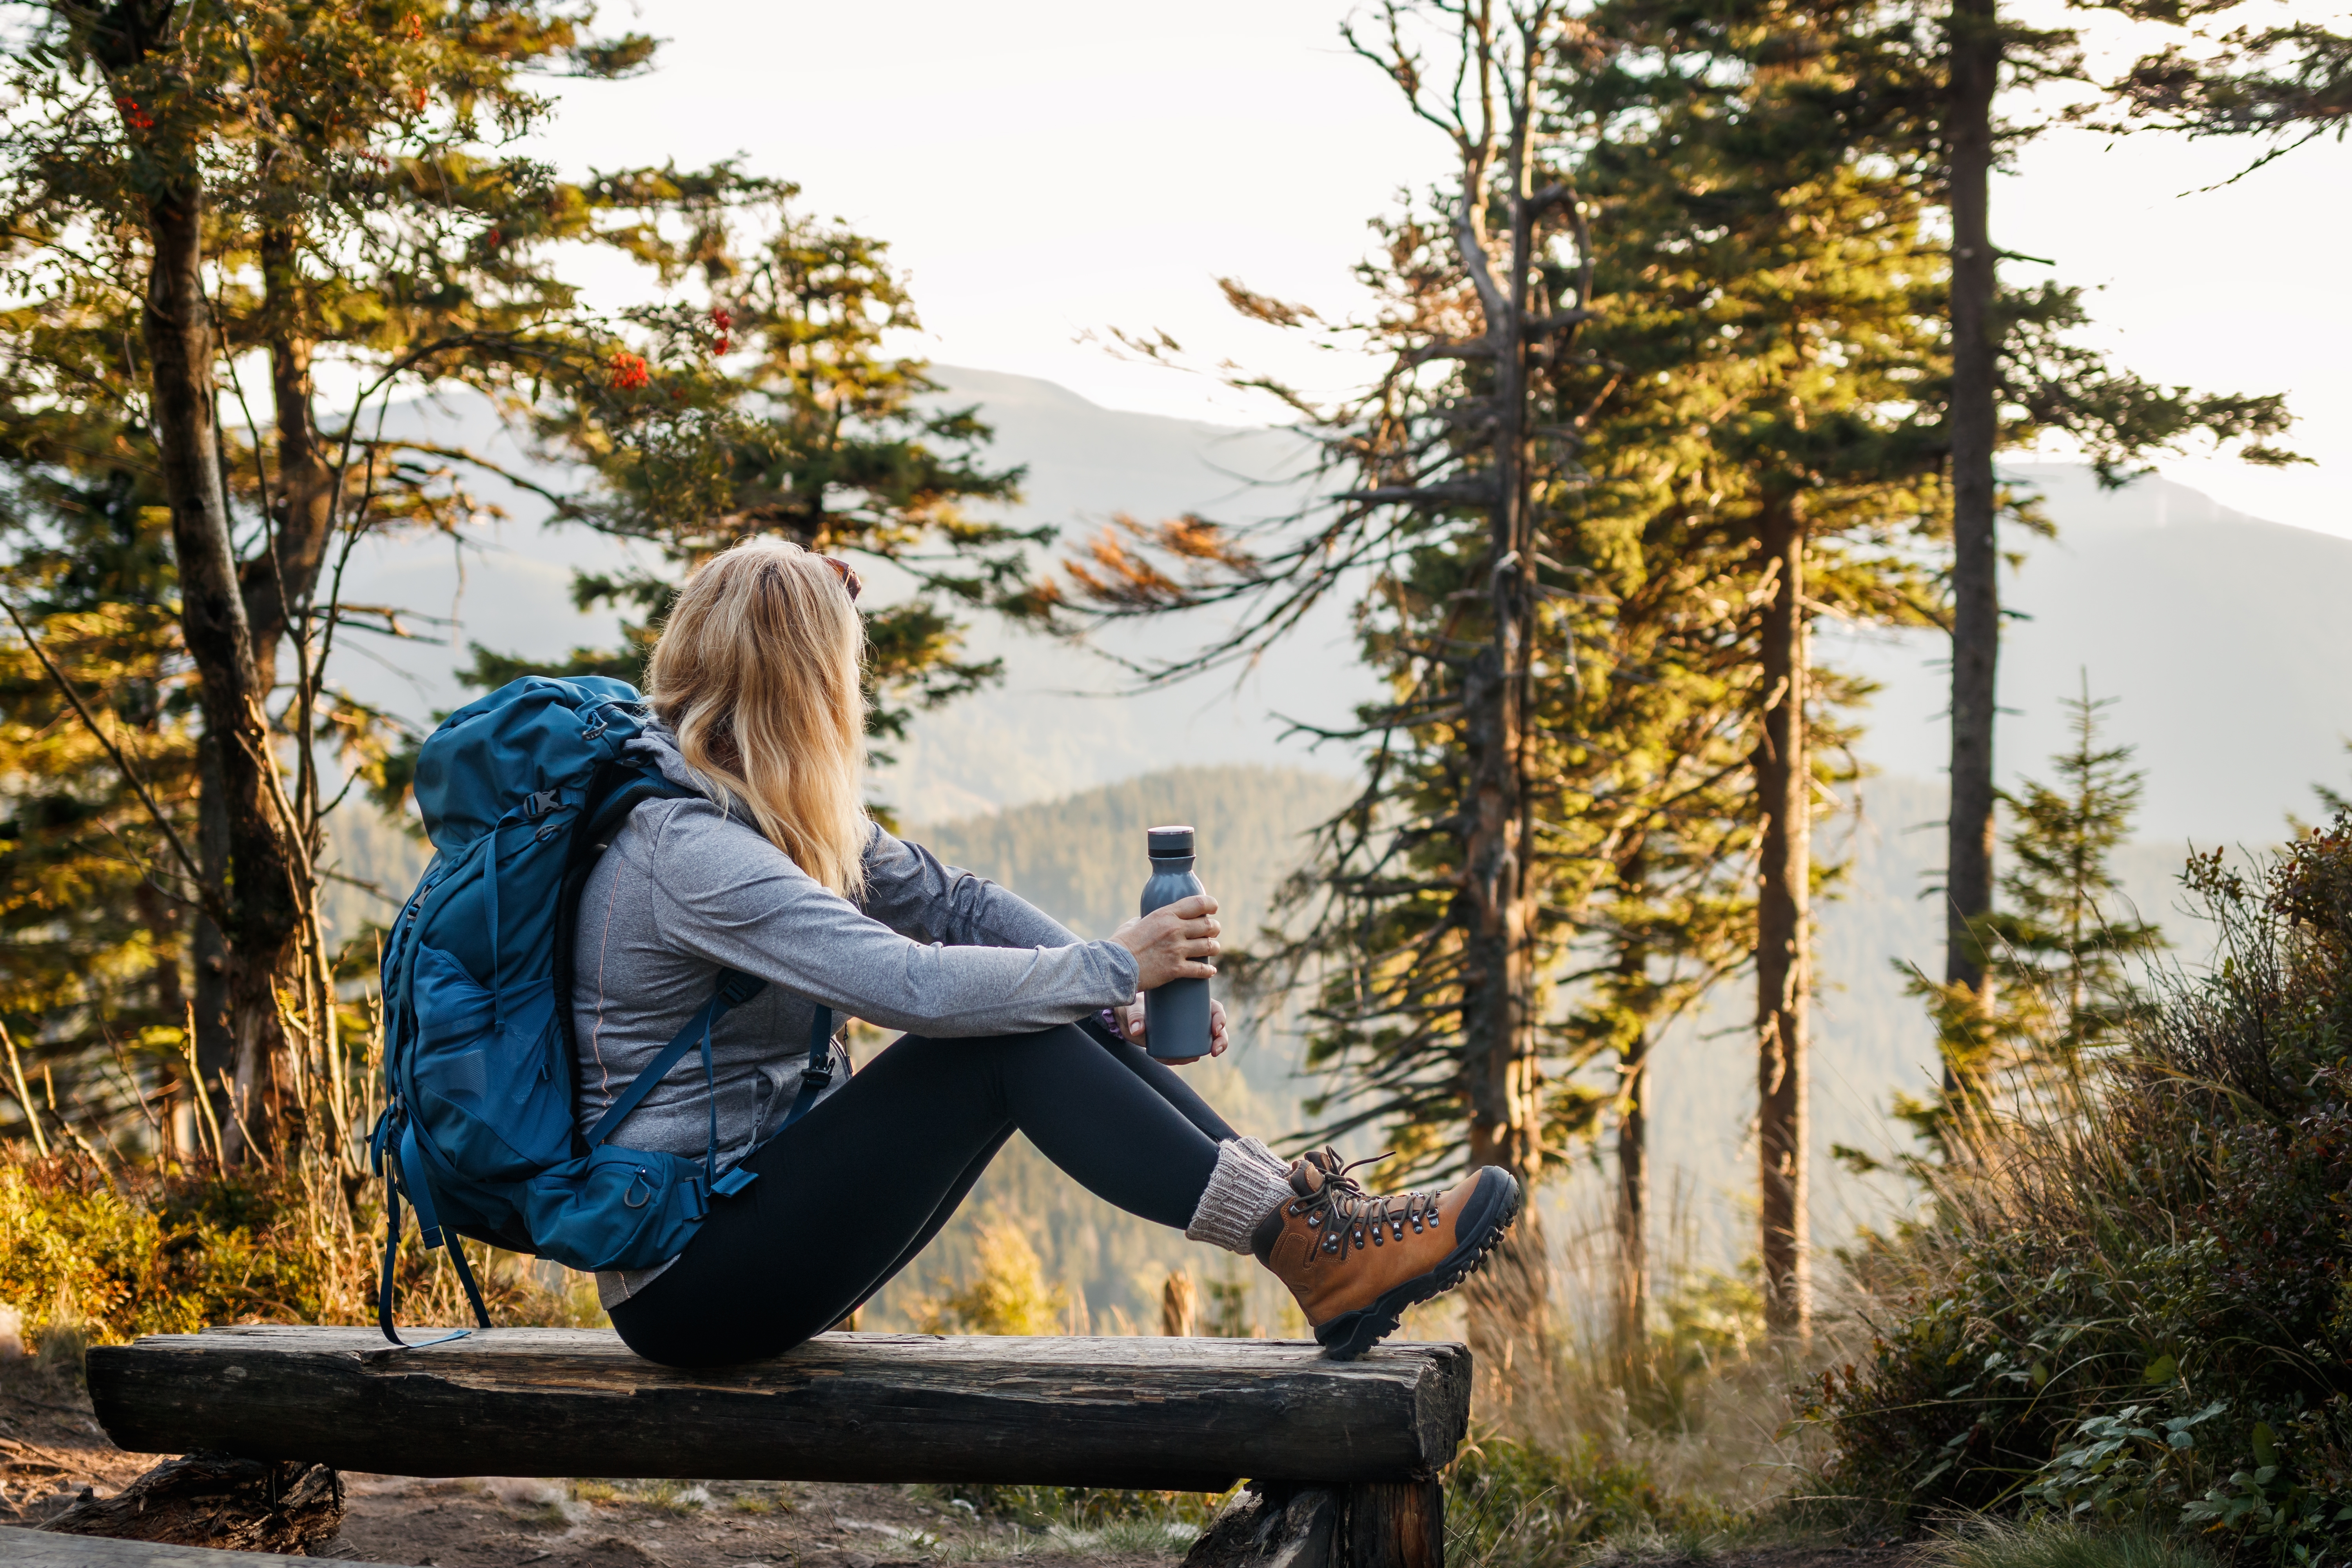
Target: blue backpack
<point>521,791</point>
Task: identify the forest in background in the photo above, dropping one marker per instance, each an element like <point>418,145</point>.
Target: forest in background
<point>1077,857</point>
<point>1702,345</point>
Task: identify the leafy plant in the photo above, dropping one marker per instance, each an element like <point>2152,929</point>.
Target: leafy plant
<point>2134,1289</point>
<point>2130,1462</point>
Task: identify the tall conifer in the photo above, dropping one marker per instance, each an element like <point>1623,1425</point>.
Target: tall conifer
<point>757,399</point>
<point>1430,908</point>
<point>2007,388</point>
<point>208,201</point>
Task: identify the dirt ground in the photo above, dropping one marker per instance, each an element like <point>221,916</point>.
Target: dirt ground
<point>51,1449</point>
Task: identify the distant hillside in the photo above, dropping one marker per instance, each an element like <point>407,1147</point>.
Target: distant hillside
<point>2224,637</point>
<point>1081,859</point>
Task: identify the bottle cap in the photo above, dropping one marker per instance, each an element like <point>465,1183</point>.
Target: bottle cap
<point>1169,843</point>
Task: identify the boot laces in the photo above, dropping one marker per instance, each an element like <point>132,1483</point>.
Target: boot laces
<point>1349,1216</point>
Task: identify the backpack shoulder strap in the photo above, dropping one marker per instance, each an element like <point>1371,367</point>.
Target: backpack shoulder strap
<point>818,1074</point>
<point>733,989</point>
<point>615,790</point>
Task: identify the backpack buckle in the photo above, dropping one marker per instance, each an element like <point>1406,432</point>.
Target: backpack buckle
<point>541,802</point>
<point>816,1077</point>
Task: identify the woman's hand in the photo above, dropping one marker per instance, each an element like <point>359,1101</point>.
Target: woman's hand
<point>1174,941</point>
<point>1131,1024</point>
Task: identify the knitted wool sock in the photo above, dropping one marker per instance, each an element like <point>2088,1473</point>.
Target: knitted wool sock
<point>1248,1184</point>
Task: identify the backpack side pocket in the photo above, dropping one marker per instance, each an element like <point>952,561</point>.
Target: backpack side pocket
<point>617,1208</point>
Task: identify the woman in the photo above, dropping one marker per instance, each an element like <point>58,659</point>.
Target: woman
<point>773,869</point>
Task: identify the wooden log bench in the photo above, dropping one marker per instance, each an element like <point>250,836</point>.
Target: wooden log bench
<point>1342,1457</point>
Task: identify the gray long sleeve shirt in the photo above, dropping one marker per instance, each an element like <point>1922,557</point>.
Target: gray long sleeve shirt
<point>686,889</point>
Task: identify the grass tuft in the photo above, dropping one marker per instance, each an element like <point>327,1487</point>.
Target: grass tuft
<point>2045,1543</point>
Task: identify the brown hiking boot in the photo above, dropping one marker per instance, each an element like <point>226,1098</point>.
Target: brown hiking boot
<point>1356,1262</point>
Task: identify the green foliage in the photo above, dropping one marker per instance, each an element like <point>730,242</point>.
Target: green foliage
<point>2050,1544</point>
<point>764,404</point>
<point>2059,950</point>
<point>112,1252</point>
<point>1007,1293</point>
<point>2128,1301</point>
<point>71,1257</point>
<point>365,219</point>
<point>1515,1505</point>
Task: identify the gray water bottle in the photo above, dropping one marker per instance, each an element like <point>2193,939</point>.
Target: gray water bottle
<point>1175,1016</point>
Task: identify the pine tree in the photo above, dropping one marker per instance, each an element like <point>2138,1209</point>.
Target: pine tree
<point>1429,907</point>
<point>2059,949</point>
<point>764,403</point>
<point>1775,281</point>
<point>2014,377</point>
<point>256,187</point>
<point>1742,349</point>
<point>94,947</point>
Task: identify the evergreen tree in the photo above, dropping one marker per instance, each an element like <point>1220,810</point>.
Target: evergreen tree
<point>2013,377</point>
<point>2059,950</point>
<point>763,404</point>
<point>1773,289</point>
<point>94,947</point>
<point>256,188</point>
<point>1429,910</point>
<point>1735,349</point>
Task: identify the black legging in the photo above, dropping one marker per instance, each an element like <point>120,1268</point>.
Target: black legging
<point>852,1192</point>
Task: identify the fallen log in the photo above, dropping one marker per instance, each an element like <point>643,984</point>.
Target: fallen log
<point>1148,1413</point>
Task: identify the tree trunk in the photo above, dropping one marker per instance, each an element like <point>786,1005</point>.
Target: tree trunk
<point>1632,1282</point>
<point>1974,44</point>
<point>1634,1196</point>
<point>1509,1303</point>
<point>1783,937</point>
<point>263,907</point>
<point>1138,1412</point>
<point>304,504</point>
<point>216,1040</point>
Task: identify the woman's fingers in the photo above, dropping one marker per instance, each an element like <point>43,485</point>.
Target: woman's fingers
<point>1174,942</point>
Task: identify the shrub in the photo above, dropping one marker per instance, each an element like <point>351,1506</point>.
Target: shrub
<point>1515,1505</point>
<point>71,1255</point>
<point>2046,1543</point>
<point>112,1251</point>
<point>2132,1300</point>
<point>1007,1295</point>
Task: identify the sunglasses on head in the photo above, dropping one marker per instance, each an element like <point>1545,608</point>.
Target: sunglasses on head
<point>849,579</point>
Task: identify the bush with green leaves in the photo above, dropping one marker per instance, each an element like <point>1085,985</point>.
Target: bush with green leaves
<point>1515,1505</point>
<point>107,1251</point>
<point>2131,1300</point>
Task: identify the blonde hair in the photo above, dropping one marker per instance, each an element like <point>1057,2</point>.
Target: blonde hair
<point>757,672</point>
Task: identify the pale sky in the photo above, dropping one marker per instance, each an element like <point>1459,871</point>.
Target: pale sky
<point>1046,169</point>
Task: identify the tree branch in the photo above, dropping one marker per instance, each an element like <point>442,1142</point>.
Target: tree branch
<point>215,909</point>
